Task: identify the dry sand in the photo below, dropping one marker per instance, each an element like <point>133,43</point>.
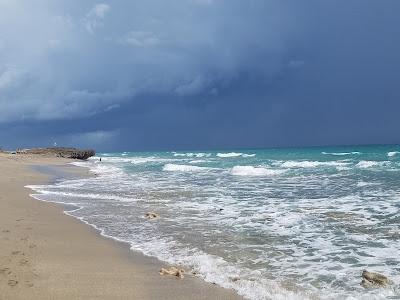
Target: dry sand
<point>45,254</point>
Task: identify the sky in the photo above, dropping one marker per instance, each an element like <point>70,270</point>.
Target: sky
<point>125,75</point>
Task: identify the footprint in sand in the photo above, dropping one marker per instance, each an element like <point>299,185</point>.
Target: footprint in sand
<point>23,262</point>
<point>5,271</point>
<point>15,252</point>
<point>31,246</point>
<point>28,283</point>
<point>24,239</point>
<point>28,228</point>
<point>5,231</point>
<point>12,282</point>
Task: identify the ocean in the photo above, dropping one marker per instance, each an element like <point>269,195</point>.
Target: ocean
<point>271,224</point>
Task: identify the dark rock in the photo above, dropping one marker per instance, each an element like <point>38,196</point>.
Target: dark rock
<point>73,153</point>
<point>372,279</point>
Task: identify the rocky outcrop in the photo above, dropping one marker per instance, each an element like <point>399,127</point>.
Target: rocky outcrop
<point>73,153</point>
<point>372,279</point>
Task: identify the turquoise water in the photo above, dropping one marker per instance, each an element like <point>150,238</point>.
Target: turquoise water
<point>271,224</point>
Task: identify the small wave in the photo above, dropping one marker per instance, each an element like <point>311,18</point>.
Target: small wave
<point>311,164</point>
<point>183,168</point>
<point>144,160</point>
<point>99,168</point>
<point>364,164</point>
<point>190,154</point>
<point>234,154</point>
<point>135,160</point>
<point>363,183</point>
<point>253,171</point>
<point>392,153</point>
<point>231,154</point>
<point>41,191</point>
<point>341,153</point>
<point>198,161</point>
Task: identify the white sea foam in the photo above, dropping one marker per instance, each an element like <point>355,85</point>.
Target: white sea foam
<point>198,161</point>
<point>364,164</point>
<point>99,168</point>
<point>363,183</point>
<point>144,160</point>
<point>341,153</point>
<point>215,269</point>
<point>234,154</point>
<point>392,153</point>
<point>254,171</point>
<point>190,154</point>
<point>183,168</point>
<point>230,154</point>
<point>82,195</point>
<point>133,160</point>
<point>312,164</point>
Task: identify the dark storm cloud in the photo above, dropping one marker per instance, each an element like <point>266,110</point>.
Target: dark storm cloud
<point>198,73</point>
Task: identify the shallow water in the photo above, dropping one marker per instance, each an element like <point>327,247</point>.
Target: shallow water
<point>272,224</point>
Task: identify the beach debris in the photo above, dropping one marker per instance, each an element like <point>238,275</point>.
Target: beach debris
<point>372,279</point>
<point>151,215</point>
<point>172,271</point>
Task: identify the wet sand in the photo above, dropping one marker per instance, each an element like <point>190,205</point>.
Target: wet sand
<point>45,254</point>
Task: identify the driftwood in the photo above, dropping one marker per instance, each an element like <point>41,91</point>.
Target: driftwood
<point>62,152</point>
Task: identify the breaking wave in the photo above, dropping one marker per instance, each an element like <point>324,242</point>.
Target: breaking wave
<point>234,154</point>
<point>254,171</point>
<point>184,168</point>
<point>392,153</point>
<point>312,164</point>
<point>364,164</point>
<point>341,153</point>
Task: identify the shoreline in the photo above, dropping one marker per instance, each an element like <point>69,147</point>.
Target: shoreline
<point>47,254</point>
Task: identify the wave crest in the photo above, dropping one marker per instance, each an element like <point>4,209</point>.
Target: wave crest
<point>311,164</point>
<point>341,153</point>
<point>183,168</point>
<point>198,155</point>
<point>392,153</point>
<point>364,164</point>
<point>234,154</point>
<point>254,171</point>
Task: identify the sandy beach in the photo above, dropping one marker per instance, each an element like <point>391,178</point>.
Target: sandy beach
<point>45,254</point>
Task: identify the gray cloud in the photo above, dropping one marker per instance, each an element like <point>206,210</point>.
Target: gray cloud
<point>199,73</point>
<point>94,17</point>
<point>64,61</point>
